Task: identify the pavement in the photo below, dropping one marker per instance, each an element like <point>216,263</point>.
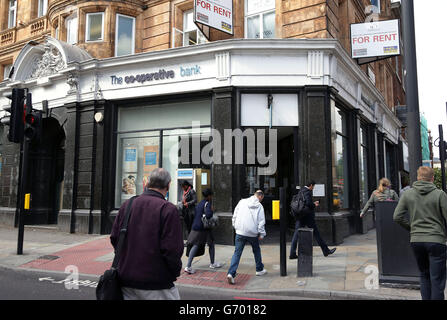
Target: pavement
<point>341,276</point>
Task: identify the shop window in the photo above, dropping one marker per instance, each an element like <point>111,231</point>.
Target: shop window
<point>151,136</point>
<point>189,35</point>
<point>125,35</point>
<point>42,7</point>
<point>72,30</point>
<point>12,13</point>
<point>364,192</point>
<point>94,26</point>
<point>259,19</point>
<point>340,160</point>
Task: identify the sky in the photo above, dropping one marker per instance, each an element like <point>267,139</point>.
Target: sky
<point>431,46</point>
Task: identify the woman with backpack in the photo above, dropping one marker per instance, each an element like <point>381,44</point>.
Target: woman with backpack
<point>200,236</point>
<point>383,193</point>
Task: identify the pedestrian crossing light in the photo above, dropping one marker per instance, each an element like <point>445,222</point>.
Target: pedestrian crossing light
<point>33,126</point>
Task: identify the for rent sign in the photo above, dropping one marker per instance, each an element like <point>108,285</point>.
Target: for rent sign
<point>216,14</point>
<point>375,39</point>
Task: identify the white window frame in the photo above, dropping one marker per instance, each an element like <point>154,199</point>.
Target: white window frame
<point>6,71</point>
<point>56,32</point>
<point>260,14</point>
<point>69,25</point>
<point>116,33</point>
<point>87,26</point>
<point>42,7</point>
<point>12,24</point>
<point>184,32</point>
<point>378,5</point>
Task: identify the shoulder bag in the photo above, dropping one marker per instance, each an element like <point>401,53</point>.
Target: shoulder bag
<point>210,223</point>
<point>109,287</point>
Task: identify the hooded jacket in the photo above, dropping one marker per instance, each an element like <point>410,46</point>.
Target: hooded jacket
<point>427,208</point>
<point>249,218</point>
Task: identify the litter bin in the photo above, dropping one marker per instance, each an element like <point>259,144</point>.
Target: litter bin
<point>397,264</point>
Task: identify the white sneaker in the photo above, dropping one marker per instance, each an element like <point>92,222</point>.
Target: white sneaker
<point>215,265</point>
<point>189,270</point>
<point>230,279</point>
<point>261,273</point>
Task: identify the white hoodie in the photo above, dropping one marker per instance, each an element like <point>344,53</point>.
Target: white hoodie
<point>248,218</point>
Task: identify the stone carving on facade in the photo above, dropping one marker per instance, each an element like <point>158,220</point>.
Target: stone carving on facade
<point>50,63</point>
<point>96,87</point>
<point>73,82</point>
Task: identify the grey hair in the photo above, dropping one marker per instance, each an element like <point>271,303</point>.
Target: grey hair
<point>159,179</point>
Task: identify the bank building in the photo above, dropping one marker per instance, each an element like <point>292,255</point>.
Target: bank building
<point>129,86</point>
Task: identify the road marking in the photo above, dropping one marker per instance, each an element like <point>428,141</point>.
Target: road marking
<point>83,283</point>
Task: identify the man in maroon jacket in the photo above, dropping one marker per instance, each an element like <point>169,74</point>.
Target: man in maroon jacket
<point>150,259</point>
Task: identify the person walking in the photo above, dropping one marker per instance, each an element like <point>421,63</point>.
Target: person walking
<point>189,201</point>
<point>150,260</point>
<point>427,210</point>
<point>200,236</point>
<point>308,220</point>
<point>249,223</point>
<point>405,186</point>
<point>383,193</point>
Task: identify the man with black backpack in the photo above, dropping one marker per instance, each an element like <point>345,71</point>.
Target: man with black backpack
<point>303,209</point>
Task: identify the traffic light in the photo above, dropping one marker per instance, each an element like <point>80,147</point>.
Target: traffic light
<point>17,115</point>
<point>33,126</point>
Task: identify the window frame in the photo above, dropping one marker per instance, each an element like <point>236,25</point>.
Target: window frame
<point>116,32</point>
<point>87,26</point>
<point>184,32</point>
<point>68,24</point>
<point>14,22</point>
<point>42,5</point>
<point>259,14</point>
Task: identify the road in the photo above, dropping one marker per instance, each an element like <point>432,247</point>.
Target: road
<point>36,285</point>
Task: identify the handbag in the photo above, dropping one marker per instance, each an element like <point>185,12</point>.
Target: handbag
<point>109,287</point>
<point>210,223</point>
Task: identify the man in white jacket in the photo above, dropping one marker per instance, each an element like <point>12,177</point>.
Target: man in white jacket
<point>249,223</point>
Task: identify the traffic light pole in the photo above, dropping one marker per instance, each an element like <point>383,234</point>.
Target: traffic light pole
<point>23,183</point>
<point>442,154</point>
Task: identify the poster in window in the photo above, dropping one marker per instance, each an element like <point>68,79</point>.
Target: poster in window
<point>129,187</point>
<point>150,162</point>
<point>130,159</point>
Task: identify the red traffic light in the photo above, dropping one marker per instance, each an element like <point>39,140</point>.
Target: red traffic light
<point>30,119</point>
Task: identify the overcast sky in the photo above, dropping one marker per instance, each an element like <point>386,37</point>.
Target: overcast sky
<point>431,44</point>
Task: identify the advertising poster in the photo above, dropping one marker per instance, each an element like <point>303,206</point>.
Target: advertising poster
<point>217,14</point>
<point>129,187</point>
<point>130,159</point>
<point>150,162</point>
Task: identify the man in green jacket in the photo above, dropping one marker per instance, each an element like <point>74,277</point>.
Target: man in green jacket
<point>427,209</point>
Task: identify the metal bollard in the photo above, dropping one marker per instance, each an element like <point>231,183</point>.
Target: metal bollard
<point>305,252</point>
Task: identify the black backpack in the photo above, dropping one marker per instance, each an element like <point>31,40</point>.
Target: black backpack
<point>298,206</point>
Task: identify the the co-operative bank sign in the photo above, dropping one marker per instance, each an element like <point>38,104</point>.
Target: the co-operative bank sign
<point>161,74</point>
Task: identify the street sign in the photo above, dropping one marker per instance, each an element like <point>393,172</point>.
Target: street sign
<point>217,14</point>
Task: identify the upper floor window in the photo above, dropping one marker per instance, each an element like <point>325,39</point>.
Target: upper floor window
<point>260,19</point>
<point>42,8</point>
<point>12,13</point>
<point>376,4</point>
<point>6,71</point>
<point>191,35</point>
<point>95,27</point>
<point>125,35</point>
<point>72,30</point>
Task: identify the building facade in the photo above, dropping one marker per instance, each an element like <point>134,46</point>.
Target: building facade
<point>132,85</point>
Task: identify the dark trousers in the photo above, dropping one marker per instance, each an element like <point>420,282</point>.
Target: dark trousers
<point>431,260</point>
<point>308,221</point>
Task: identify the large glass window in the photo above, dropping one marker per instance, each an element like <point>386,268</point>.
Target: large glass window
<point>72,30</point>
<point>191,35</point>
<point>125,35</point>
<point>95,26</point>
<point>42,8</point>
<point>154,136</point>
<point>260,19</point>
<point>364,192</point>
<point>12,13</point>
<point>340,160</point>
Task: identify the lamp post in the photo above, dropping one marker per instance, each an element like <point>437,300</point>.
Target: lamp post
<point>412,92</point>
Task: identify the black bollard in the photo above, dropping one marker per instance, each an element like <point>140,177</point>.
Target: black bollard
<point>305,252</point>
<point>283,232</point>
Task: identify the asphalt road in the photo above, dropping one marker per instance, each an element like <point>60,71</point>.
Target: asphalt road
<point>31,285</point>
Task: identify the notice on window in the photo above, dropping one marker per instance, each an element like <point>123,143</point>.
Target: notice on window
<point>129,187</point>
<point>130,160</point>
<point>217,14</point>
<point>319,190</point>
<point>150,158</point>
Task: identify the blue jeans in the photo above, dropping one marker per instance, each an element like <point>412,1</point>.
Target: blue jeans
<point>239,247</point>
